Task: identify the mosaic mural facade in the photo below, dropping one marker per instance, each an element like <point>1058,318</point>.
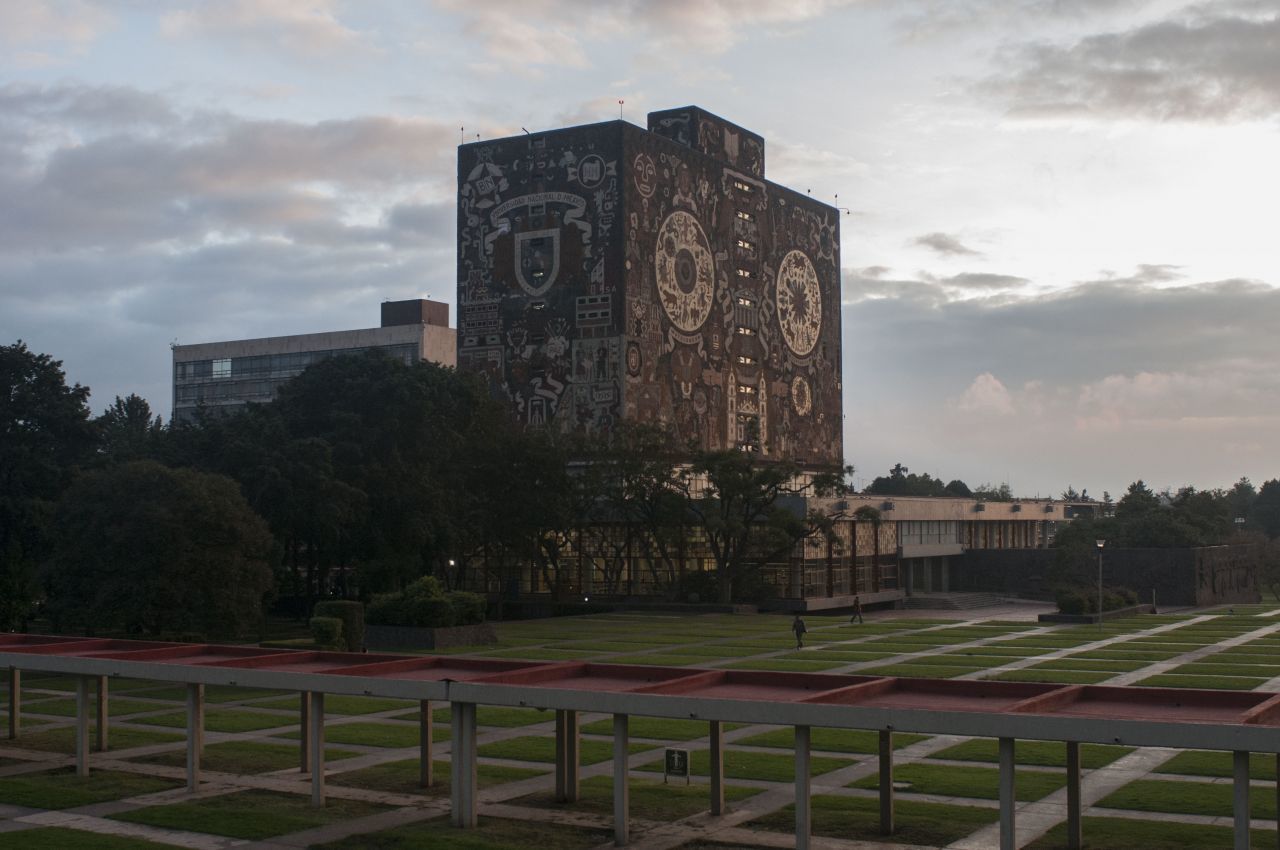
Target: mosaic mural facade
<point>608,272</point>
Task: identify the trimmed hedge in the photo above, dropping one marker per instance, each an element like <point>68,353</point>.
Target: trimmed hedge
<point>327,632</point>
<point>1084,600</point>
<point>351,613</point>
<point>425,604</point>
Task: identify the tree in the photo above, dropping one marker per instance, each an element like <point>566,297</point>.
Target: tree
<point>1240,498</point>
<point>45,437</point>
<point>740,505</point>
<point>1266,509</point>
<point>956,487</point>
<point>1137,500</point>
<point>993,493</point>
<point>902,482</point>
<point>128,431</point>
<point>144,549</point>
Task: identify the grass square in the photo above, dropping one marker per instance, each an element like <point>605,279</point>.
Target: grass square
<point>786,666</point>
<point>831,740</point>
<point>1070,677</point>
<point>1218,763</point>
<point>543,749</point>
<point>392,735</point>
<point>657,728</point>
<point>63,740</point>
<point>491,715</point>
<point>1041,753</point>
<point>978,782</point>
<point>343,704</point>
<point>245,757</point>
<point>115,707</point>
<point>1187,798</point>
<point>489,834</point>
<point>251,815</point>
<point>57,838</point>
<point>649,798</point>
<point>62,789</point>
<point>1222,683</point>
<point>219,719</point>
<point>743,764</point>
<point>402,777</point>
<point>858,818</point>
<point>1128,834</point>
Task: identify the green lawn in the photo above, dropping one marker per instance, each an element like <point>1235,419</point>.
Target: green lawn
<point>978,782</point>
<point>1223,683</point>
<point>1217,763</point>
<point>667,660</point>
<point>62,789</point>
<point>54,838</point>
<point>1187,798</point>
<point>491,715</point>
<point>342,704</point>
<point>830,740</point>
<point>115,707</point>
<point>1108,665</point>
<point>543,749</point>
<point>64,740</point>
<point>785,666</point>
<point>657,728</point>
<point>251,815</point>
<point>650,799</point>
<point>857,818</point>
<point>402,777</point>
<point>1041,753</point>
<point>997,649</point>
<point>490,834</point>
<point>741,764</point>
<point>922,670</point>
<point>1066,677</point>
<point>243,757</point>
<point>1126,834</point>
<point>396,736</point>
<point>219,719</point>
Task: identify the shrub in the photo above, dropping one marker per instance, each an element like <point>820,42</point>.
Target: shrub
<point>1084,600</point>
<point>327,632</point>
<point>425,604</point>
<point>697,586</point>
<point>351,613</point>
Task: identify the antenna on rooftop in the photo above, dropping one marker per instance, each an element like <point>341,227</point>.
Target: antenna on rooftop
<point>620,102</point>
<point>460,130</point>
<point>526,132</point>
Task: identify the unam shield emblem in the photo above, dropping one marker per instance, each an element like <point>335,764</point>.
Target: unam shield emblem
<point>537,259</point>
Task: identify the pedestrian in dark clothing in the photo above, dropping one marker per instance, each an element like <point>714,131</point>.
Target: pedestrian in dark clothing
<point>798,626</point>
<point>857,609</point>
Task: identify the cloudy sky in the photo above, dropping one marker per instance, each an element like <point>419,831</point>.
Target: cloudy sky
<point>1061,258</point>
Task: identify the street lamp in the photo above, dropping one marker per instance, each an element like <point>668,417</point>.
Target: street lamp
<point>1100,543</point>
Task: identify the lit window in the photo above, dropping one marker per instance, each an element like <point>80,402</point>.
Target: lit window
<point>745,273</point>
<point>222,368</point>
<point>741,187</point>
<point>747,331</point>
<point>744,301</point>
<point>744,244</point>
<point>745,360</point>
<point>745,390</point>
<point>745,216</point>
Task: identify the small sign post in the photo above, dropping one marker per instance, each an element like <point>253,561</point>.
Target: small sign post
<point>676,763</point>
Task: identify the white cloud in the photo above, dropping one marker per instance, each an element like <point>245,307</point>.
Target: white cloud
<point>305,27</point>
<point>986,396</point>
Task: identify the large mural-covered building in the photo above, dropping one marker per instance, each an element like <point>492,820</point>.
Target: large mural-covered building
<point>609,273</point>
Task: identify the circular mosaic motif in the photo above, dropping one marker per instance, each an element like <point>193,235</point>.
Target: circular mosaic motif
<point>685,271</point>
<point>801,395</point>
<point>799,303</point>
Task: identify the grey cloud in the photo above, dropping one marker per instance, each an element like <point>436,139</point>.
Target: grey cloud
<point>1216,62</point>
<point>945,244</point>
<point>983,281</point>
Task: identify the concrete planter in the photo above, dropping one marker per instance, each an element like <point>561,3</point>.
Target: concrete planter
<point>1093,618</point>
<point>413,637</point>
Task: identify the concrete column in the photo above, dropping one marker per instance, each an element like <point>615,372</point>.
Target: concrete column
<point>566,756</point>
<point>717,768</point>
<point>195,734</point>
<point>426,745</point>
<point>304,729</point>
<point>1008,838</point>
<point>462,765</point>
<point>102,714</point>
<point>82,726</point>
<point>317,749</point>
<point>886,782</point>
<point>621,789</point>
<point>1074,835</point>
<point>15,702</point>
<point>804,816</point>
<point>1240,798</point>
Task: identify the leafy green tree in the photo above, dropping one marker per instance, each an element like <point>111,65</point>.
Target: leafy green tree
<point>144,549</point>
<point>956,487</point>
<point>45,437</point>
<point>743,510</point>
<point>1240,498</point>
<point>902,482</point>
<point>128,431</point>
<point>994,493</point>
<point>1137,500</point>
<point>1265,514</point>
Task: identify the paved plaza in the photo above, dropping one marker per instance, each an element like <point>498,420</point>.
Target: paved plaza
<point>255,795</point>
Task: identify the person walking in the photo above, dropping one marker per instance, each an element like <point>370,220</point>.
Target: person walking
<point>857,609</point>
<point>798,626</point>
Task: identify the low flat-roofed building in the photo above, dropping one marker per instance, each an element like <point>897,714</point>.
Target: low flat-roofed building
<point>224,376</point>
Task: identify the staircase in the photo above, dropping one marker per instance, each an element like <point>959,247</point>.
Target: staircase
<point>952,601</point>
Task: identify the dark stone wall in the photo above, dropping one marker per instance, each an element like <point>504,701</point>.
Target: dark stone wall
<point>606,271</point>
<point>539,273</point>
<point>1206,576</point>
<point>733,311</point>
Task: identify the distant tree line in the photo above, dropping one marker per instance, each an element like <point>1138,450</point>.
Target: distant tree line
<point>364,475</point>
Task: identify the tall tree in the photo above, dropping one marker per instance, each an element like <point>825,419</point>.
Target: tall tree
<point>128,431</point>
<point>45,437</point>
<point>144,549</point>
<point>1265,514</point>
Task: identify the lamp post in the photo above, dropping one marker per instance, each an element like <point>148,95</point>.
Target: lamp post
<point>1100,543</point>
